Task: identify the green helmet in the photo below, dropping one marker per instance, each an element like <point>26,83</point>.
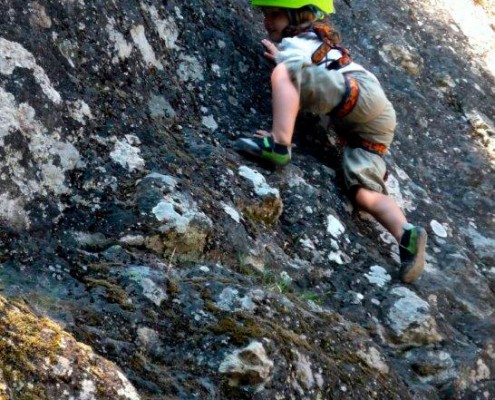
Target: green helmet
<point>324,5</point>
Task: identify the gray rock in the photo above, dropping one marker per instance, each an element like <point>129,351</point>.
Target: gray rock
<point>159,107</point>
<point>436,367</point>
<point>410,320</point>
<point>247,366</point>
<point>108,113</point>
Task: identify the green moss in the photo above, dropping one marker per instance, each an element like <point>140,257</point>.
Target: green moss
<point>114,293</point>
<point>173,288</point>
<point>267,212</point>
<point>313,296</point>
<point>239,332</point>
<point>25,341</point>
<point>246,328</point>
<point>178,246</point>
<point>211,307</point>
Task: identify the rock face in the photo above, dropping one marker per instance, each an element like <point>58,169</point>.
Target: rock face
<point>40,360</point>
<point>175,268</point>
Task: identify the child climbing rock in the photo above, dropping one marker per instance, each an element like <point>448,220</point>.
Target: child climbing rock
<point>314,73</point>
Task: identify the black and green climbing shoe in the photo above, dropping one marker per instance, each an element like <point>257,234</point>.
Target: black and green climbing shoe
<point>264,148</point>
<point>412,253</point>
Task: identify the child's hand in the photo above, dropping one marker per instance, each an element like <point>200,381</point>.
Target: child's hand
<point>271,50</point>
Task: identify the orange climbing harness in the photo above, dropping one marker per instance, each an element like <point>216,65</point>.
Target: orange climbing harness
<point>377,148</point>
<point>349,99</point>
<point>357,142</point>
<point>351,95</point>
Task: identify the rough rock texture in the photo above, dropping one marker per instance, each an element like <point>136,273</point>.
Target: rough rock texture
<point>40,361</point>
<point>126,217</point>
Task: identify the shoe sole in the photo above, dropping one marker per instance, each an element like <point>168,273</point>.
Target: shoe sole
<point>246,148</point>
<point>417,266</point>
<point>243,146</point>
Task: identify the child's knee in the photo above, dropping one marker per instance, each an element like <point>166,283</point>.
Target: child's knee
<point>363,197</point>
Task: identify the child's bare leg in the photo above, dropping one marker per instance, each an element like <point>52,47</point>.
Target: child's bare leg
<point>384,209</point>
<point>412,242</point>
<point>285,103</point>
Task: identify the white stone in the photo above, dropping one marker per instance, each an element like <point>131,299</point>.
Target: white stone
<point>232,212</point>
<point>209,122</point>
<point>127,391</point>
<point>167,28</point>
<point>121,46</point>
<point>168,180</point>
<point>334,226</point>
<point>251,363</point>
<point>152,291</point>
<point>303,371</point>
<point>45,148</point>
<point>261,188</point>
<point>13,55</point>
<point>63,367</point>
<point>247,303</point>
<point>147,336</point>
<point>404,198</point>
<point>296,180</point>
<point>177,211</point>
<point>139,37</point>
<point>12,211</point>
<point>229,300</point>
<point>160,107</point>
<point>378,276</point>
<point>338,257</point>
<point>190,69</point>
<point>482,372</point>
<point>127,156</point>
<point>165,211</point>
<point>285,277</point>
<point>410,318</point>
<point>373,358</point>
<point>88,390</point>
<point>39,16</point>
<point>215,68</point>
<point>80,111</point>
<point>308,244</point>
<point>69,49</point>
<point>438,229</point>
<point>132,240</point>
<point>484,246</point>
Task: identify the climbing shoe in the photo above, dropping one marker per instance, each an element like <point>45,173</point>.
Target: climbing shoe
<point>264,148</point>
<point>412,249</point>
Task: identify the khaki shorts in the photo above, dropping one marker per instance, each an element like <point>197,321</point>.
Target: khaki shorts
<point>364,169</point>
<point>373,118</point>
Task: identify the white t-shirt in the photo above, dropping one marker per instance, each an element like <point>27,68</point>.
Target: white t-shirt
<point>299,49</point>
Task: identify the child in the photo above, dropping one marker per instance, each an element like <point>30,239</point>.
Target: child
<point>315,74</point>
